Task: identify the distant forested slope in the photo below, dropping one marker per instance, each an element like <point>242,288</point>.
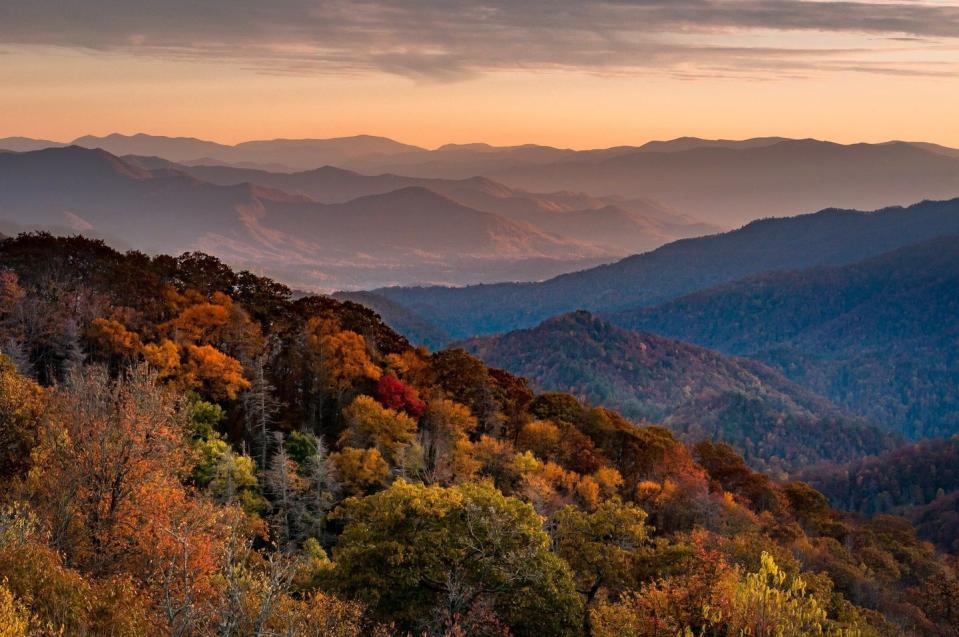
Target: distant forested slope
<point>827,238</point>
<point>880,337</point>
<point>701,394</point>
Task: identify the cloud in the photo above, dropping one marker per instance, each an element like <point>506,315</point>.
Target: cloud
<point>455,39</point>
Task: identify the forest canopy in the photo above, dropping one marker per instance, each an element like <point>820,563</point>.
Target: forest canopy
<point>190,450</point>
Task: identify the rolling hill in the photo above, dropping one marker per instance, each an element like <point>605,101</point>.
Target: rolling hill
<point>827,238</point>
<point>700,394</point>
<point>500,473</point>
<point>414,327</point>
<point>879,337</point>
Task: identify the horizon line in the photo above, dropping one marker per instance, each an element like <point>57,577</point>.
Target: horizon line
<point>73,141</point>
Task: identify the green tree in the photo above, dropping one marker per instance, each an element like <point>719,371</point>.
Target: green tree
<point>601,546</point>
<point>229,477</point>
<point>203,417</point>
<point>21,407</point>
<point>427,553</point>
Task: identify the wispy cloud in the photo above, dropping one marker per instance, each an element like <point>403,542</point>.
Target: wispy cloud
<point>455,39</point>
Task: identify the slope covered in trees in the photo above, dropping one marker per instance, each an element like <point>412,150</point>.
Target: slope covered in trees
<point>407,323</point>
<point>827,238</point>
<point>920,482</point>
<point>877,337</point>
<point>698,393</point>
<point>188,450</point>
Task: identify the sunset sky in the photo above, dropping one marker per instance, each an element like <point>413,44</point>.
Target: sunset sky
<point>560,72</point>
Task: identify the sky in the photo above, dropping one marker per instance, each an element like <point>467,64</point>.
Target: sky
<point>569,73</point>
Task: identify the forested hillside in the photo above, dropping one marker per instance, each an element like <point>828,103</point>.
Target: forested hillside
<point>414,327</point>
<point>920,482</point>
<point>700,394</point>
<point>827,238</point>
<point>188,450</point>
<point>877,337</point>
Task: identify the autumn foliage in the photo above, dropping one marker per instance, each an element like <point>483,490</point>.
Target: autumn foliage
<point>191,451</point>
<point>395,394</point>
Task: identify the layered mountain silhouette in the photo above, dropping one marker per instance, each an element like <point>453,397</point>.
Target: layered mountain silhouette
<point>291,154</point>
<point>880,337</point>
<point>699,393</point>
<point>365,152</point>
<point>732,185</point>
<point>828,238</point>
<point>412,233</point>
<point>26,144</point>
<point>723,182</point>
<point>616,226</point>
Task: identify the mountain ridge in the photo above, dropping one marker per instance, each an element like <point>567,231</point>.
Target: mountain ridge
<point>617,227</point>
<point>700,394</point>
<point>828,237</point>
<point>289,234</point>
<point>731,185</point>
<point>877,336</point>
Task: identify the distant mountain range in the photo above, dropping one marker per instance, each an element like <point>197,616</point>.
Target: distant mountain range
<point>615,226</point>
<point>880,337</point>
<point>730,185</point>
<point>288,154</point>
<point>723,182</point>
<point>327,228</point>
<point>701,394</point>
<point>411,234</point>
<point>27,144</point>
<point>828,238</point>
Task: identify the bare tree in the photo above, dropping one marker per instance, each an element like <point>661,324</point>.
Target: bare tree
<point>285,487</point>
<point>260,407</point>
<point>321,493</point>
<point>251,588</point>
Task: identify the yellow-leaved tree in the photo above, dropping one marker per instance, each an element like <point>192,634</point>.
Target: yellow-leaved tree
<point>337,360</point>
<point>770,603</point>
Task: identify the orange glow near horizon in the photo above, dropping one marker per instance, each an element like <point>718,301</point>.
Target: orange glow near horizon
<point>61,94</point>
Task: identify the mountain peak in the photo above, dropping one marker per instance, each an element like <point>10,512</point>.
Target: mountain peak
<point>412,194</point>
<point>79,160</point>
